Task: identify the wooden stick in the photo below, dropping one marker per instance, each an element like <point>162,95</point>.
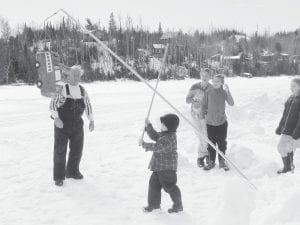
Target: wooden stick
<point>163,98</point>
<point>156,86</point>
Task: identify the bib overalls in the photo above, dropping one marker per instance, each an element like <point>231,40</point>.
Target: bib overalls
<point>72,132</point>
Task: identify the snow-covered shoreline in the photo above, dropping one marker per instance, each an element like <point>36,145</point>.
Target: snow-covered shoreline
<point>115,168</point>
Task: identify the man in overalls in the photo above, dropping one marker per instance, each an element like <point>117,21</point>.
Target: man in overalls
<point>66,109</point>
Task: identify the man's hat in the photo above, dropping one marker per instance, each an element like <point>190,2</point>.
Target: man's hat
<point>76,69</point>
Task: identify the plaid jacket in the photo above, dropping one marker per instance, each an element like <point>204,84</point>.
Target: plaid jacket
<point>165,155</point>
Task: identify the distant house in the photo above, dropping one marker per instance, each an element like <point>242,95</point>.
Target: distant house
<point>239,37</point>
<point>142,53</point>
<point>158,50</point>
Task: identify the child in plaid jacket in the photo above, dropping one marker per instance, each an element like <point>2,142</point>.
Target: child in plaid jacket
<point>163,163</point>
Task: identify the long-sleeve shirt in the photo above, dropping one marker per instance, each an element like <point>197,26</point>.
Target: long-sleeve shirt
<point>195,97</point>
<point>214,106</point>
<point>164,150</point>
<point>75,93</point>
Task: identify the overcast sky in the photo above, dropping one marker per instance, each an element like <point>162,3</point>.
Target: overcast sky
<point>273,15</point>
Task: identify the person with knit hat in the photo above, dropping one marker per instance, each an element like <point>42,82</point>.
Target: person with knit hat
<point>214,108</point>
<point>66,109</point>
<point>163,163</point>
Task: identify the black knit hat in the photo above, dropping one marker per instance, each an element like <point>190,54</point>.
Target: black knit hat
<point>171,121</point>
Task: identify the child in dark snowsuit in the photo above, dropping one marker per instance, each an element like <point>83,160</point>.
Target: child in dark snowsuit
<point>163,163</point>
<point>289,128</point>
<point>214,109</point>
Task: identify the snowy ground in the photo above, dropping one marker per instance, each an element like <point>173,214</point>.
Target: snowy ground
<point>115,168</point>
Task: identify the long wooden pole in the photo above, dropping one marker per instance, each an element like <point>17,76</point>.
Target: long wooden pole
<point>163,98</point>
<point>156,86</point>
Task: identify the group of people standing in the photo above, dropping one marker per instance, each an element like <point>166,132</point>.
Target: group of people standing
<point>208,102</point>
<point>208,112</point>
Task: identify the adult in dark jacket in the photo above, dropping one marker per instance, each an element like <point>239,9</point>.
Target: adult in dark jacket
<point>289,128</point>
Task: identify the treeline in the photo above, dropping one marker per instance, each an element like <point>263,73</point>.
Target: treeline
<point>127,38</point>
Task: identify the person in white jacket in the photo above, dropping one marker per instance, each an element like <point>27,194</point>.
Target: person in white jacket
<point>67,108</point>
<point>195,98</point>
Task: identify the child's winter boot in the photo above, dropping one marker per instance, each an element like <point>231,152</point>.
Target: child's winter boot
<point>286,165</point>
<point>176,209</point>
<point>200,162</point>
<point>210,165</point>
<point>291,155</point>
<point>150,208</point>
<point>223,165</point>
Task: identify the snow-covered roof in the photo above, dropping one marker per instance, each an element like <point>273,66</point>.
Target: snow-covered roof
<point>232,57</point>
<point>159,46</point>
<point>239,37</point>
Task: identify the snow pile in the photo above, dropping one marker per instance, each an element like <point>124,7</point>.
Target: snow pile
<point>237,203</point>
<point>242,156</point>
<point>288,212</point>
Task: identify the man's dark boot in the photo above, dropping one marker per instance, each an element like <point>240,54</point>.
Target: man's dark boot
<point>176,209</point>
<point>59,183</point>
<point>200,162</point>
<point>286,165</point>
<point>148,209</point>
<point>76,176</point>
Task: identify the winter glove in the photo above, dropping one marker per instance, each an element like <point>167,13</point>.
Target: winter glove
<point>144,145</point>
<point>148,126</point>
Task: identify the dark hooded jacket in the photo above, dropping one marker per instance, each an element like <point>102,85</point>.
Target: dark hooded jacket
<point>290,121</point>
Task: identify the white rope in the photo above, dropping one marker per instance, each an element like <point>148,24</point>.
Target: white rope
<point>162,97</point>
<point>156,86</point>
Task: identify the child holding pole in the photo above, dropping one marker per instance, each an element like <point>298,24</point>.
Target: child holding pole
<point>195,97</point>
<point>289,128</point>
<point>214,108</point>
<point>163,163</point>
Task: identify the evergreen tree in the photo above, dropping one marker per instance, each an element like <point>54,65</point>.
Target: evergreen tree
<point>278,47</point>
<point>160,31</point>
<point>112,27</point>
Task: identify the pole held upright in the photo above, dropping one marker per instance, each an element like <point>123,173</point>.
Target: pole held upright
<point>156,86</point>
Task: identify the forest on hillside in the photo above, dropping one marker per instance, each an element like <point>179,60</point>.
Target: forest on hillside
<point>223,50</point>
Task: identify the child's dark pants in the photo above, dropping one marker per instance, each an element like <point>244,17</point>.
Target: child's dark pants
<point>167,180</point>
<point>217,135</point>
